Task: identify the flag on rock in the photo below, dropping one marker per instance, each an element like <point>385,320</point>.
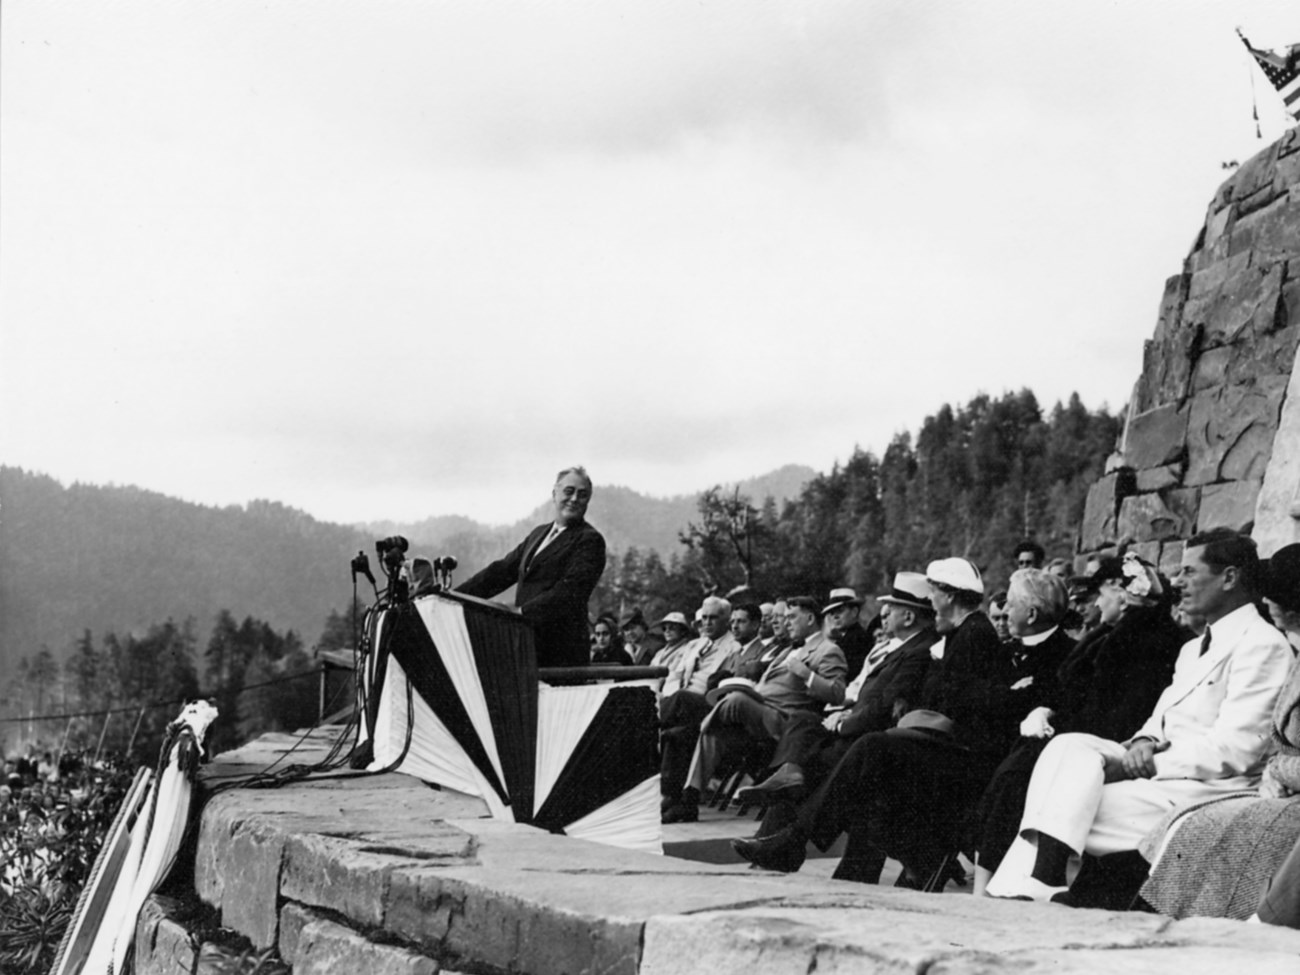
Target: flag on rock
<point>1282,71</point>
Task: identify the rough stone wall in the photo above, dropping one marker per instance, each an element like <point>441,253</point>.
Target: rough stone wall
<point>1213,432</point>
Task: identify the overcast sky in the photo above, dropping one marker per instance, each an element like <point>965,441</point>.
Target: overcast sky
<point>389,260</point>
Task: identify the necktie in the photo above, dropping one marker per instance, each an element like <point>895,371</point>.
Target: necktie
<point>550,536</point>
<point>1205,642</point>
<point>692,662</point>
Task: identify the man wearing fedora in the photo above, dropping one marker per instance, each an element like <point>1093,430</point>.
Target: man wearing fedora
<point>808,678</point>
<point>902,791</point>
<point>894,672</point>
<point>842,611</point>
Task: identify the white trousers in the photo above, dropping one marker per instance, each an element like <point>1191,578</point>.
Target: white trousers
<point>1069,800</point>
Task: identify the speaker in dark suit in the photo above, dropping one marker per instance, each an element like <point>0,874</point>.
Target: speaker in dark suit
<point>554,569</point>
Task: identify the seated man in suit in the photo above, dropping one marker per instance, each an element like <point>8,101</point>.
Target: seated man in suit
<point>1208,734</point>
<point>903,791</point>
<point>805,679</point>
<point>682,703</point>
<point>554,571</point>
<point>890,683</point>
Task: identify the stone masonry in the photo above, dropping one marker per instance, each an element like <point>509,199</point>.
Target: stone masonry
<point>383,874</point>
<point>1213,432</point>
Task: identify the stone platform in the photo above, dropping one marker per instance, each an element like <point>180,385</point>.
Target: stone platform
<point>384,874</point>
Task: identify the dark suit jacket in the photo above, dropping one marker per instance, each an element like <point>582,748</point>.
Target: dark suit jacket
<point>552,589</point>
<point>899,676</point>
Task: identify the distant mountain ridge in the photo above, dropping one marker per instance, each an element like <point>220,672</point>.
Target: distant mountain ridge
<point>119,559</point>
<point>625,516</point>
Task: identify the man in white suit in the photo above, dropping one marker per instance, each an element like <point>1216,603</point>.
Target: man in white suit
<point>1208,733</point>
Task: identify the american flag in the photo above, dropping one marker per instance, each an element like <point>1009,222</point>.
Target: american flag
<point>1282,71</point>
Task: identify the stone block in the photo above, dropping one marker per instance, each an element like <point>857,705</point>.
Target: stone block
<point>1159,478</point>
<point>1152,518</point>
<point>1154,959</point>
<point>902,934</point>
<point>1230,431</point>
<point>1146,551</point>
<point>1272,231</point>
<point>1100,510</point>
<point>1230,505</point>
<point>1255,174</point>
<point>1205,284</point>
<point>1246,305</point>
<point>1155,438</point>
<point>1277,510</point>
<point>1171,558</point>
<point>250,893</point>
<point>162,945</point>
<point>293,918</point>
<point>326,948</point>
<point>1171,306</point>
<point>1167,367</point>
<point>324,871</point>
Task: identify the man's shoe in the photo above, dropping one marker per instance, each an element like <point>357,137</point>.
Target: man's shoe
<point>680,813</point>
<point>783,850</point>
<point>781,784</point>
<point>684,810</point>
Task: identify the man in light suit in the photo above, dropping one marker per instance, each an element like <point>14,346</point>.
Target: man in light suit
<point>554,571</point>
<point>1207,734</point>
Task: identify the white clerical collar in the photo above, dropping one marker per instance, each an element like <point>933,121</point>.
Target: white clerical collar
<point>1037,638</point>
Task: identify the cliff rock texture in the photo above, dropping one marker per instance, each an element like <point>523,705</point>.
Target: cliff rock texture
<point>1213,432</point>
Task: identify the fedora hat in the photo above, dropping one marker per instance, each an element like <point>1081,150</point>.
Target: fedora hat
<point>911,589</point>
<point>843,596</point>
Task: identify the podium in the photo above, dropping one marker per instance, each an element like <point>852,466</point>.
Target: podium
<point>452,697</point>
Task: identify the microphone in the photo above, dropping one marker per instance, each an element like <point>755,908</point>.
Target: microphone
<point>362,564</point>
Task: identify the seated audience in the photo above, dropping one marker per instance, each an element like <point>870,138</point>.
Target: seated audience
<point>1106,686</point>
<point>808,678</point>
<point>607,645</point>
<point>677,634</point>
<point>747,659</point>
<point>641,645</point>
<point>1206,736</point>
<point>903,792</point>
<point>842,614</point>
<point>998,615</point>
<point>682,704</point>
<point>890,683</point>
<point>1215,858</point>
<point>1029,555</point>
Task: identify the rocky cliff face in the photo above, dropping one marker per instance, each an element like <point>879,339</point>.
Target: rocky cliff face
<point>1213,432</point>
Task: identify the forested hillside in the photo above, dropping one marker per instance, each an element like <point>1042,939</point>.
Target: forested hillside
<point>123,559</point>
<point>108,594</point>
<point>973,481</point>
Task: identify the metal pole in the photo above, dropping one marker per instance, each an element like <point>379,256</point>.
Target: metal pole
<point>103,731</point>
<point>131,744</point>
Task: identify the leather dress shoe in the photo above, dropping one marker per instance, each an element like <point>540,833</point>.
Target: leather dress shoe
<point>784,850</point>
<point>680,812</point>
<point>781,784</point>
<point>684,810</point>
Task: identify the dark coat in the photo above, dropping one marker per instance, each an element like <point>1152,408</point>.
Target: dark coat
<point>551,590</point>
<point>856,644</point>
<point>970,683</point>
<point>1112,680</point>
<point>899,677</point>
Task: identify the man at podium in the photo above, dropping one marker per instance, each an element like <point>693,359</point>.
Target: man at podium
<point>554,569</point>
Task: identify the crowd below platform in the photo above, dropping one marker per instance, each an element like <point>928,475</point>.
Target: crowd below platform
<point>48,804</point>
<point>1111,739</point>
